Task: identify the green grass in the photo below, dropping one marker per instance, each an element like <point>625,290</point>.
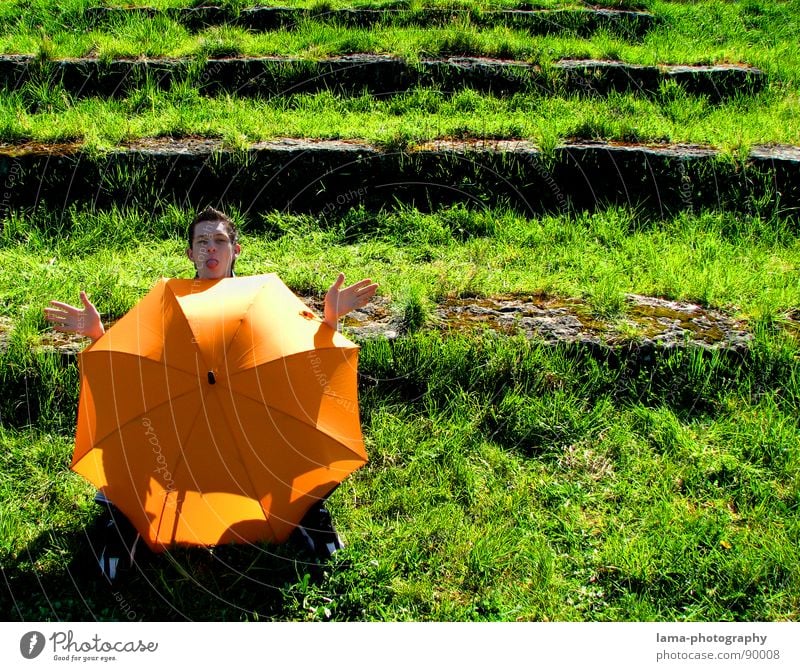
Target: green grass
<point>760,34</point>
<point>164,38</point>
<point>742,263</point>
<point>507,481</point>
<point>44,113</point>
<point>43,12</point>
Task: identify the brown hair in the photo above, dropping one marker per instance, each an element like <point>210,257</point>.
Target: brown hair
<point>210,214</point>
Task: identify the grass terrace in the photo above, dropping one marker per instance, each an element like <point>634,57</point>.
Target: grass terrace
<point>73,7</point>
<point>744,264</point>
<point>50,114</point>
<point>758,34</point>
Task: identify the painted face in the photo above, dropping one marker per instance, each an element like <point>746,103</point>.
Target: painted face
<point>212,251</point>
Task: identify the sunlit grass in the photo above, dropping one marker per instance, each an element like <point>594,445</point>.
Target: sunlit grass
<point>507,481</point>
<point>42,11</point>
<point>762,35</point>
<point>740,263</point>
<point>49,114</point>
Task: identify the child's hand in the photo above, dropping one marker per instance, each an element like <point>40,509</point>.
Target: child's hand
<point>338,301</point>
<point>69,319</point>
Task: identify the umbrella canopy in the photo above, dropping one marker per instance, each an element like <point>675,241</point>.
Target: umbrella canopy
<point>218,411</point>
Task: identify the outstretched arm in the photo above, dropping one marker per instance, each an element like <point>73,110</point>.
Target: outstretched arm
<point>84,321</point>
<point>338,301</point>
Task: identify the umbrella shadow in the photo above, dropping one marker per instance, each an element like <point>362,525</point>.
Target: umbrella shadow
<point>151,496</point>
<point>56,577</point>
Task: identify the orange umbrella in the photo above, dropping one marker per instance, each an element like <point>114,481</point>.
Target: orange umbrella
<point>218,411</point>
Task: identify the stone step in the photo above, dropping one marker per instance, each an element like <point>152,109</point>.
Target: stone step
<point>649,323</point>
<point>631,25</point>
<point>380,75</point>
<point>329,176</point>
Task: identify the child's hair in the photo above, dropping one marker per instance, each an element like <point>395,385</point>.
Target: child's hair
<point>210,214</point>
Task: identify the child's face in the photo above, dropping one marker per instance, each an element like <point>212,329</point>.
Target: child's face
<point>212,251</point>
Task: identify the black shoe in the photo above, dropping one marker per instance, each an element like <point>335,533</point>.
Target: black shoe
<point>119,540</point>
<point>316,532</point>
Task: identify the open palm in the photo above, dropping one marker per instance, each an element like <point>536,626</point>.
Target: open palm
<point>339,301</point>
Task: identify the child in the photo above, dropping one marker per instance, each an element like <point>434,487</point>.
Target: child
<point>213,249</point>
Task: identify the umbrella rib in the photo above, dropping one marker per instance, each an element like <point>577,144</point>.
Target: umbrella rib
<point>335,439</point>
<point>161,362</point>
<point>323,392</point>
<point>181,461</point>
<point>242,462</point>
<point>118,427</point>
<point>238,457</point>
<point>291,418</point>
<point>245,313</point>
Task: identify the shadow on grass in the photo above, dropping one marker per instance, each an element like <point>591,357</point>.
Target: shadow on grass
<point>57,578</point>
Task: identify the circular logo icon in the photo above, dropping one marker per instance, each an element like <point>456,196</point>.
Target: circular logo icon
<point>31,644</point>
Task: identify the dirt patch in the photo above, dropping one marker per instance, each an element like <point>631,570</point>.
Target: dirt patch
<point>5,327</point>
<point>646,321</point>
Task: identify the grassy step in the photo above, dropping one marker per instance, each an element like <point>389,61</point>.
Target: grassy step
<point>629,24</point>
<point>575,278</point>
<point>297,175</point>
<point>40,112</point>
<point>383,75</point>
